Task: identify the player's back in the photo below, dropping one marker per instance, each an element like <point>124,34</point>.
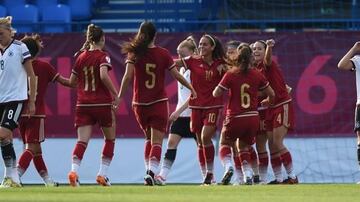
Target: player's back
<point>243,89</point>
<point>149,81</point>
<point>90,88</point>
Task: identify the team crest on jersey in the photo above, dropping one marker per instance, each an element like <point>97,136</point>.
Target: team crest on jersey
<point>107,58</point>
<point>11,53</point>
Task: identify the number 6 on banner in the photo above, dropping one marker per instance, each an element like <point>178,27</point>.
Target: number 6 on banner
<point>309,79</point>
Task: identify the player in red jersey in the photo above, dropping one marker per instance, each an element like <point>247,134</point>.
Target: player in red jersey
<point>242,119</point>
<point>147,63</point>
<point>32,127</point>
<point>279,117</point>
<point>206,72</point>
<point>95,96</point>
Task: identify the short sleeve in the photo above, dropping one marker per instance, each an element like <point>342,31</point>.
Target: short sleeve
<point>105,61</point>
<point>225,82</point>
<point>25,53</point>
<point>75,69</point>
<point>169,61</point>
<point>356,61</point>
<point>187,61</point>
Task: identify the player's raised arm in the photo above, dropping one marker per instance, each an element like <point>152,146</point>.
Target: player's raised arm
<point>268,52</point>
<point>345,63</point>
<point>174,72</point>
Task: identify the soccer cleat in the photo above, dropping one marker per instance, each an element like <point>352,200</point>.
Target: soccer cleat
<point>256,179</point>
<point>209,179</point>
<point>159,180</point>
<point>149,178</point>
<point>290,180</point>
<point>9,183</point>
<point>51,183</point>
<point>248,181</point>
<point>274,182</point>
<point>73,179</point>
<point>227,176</point>
<point>103,180</point>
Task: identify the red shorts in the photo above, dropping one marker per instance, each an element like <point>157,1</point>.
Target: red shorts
<point>203,117</point>
<point>262,126</point>
<point>245,128</point>
<point>152,116</point>
<point>32,129</point>
<point>282,115</point>
<point>102,115</point>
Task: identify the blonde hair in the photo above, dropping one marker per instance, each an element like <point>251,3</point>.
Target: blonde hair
<point>189,43</point>
<point>6,24</point>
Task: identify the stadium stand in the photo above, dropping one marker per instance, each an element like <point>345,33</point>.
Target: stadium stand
<point>56,19</point>
<point>26,18</point>
<point>12,3</point>
<point>80,9</point>
<point>3,11</point>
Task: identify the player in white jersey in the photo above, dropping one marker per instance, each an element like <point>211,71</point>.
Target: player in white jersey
<point>180,127</point>
<point>351,61</point>
<point>15,69</point>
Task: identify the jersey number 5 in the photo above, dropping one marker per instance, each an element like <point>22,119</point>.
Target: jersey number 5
<point>87,71</point>
<point>150,68</point>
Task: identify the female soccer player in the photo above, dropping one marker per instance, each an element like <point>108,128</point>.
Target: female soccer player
<point>242,119</point>
<point>15,69</point>
<point>147,63</point>
<point>206,72</point>
<point>280,116</point>
<point>32,126</point>
<point>95,96</point>
<point>351,61</point>
<point>180,127</point>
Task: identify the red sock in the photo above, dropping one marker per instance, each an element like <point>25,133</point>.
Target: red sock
<point>237,162</point>
<point>224,152</point>
<point>287,162</point>
<point>79,150</point>
<point>253,156</point>
<point>40,164</point>
<point>209,154</point>
<point>108,151</point>
<point>24,161</point>
<point>155,156</point>
<point>202,160</point>
<point>245,159</point>
<point>147,149</point>
<point>276,165</point>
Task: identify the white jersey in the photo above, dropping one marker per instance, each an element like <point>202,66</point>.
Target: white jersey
<point>13,77</point>
<point>183,93</point>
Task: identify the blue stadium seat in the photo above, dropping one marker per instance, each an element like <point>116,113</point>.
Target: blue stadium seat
<point>2,11</point>
<point>80,9</point>
<point>25,18</point>
<point>56,19</point>
<point>13,3</point>
<point>41,4</point>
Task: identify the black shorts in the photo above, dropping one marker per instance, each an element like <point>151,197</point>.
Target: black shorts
<point>9,114</point>
<point>181,127</point>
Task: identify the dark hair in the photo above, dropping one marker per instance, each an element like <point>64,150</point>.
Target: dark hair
<point>262,42</point>
<point>139,44</point>
<point>232,44</point>
<point>244,57</point>
<point>189,43</point>
<point>218,52</point>
<point>33,43</point>
<point>93,35</point>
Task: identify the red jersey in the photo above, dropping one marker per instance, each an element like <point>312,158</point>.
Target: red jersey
<point>243,91</point>
<point>90,89</point>
<point>277,82</point>
<point>204,79</point>
<point>44,74</point>
<point>149,81</point>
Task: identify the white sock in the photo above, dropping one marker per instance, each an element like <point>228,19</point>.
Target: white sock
<point>75,167</point>
<point>103,169</point>
<point>165,168</point>
<point>15,176</point>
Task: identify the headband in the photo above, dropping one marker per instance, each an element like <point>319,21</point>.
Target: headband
<point>211,38</point>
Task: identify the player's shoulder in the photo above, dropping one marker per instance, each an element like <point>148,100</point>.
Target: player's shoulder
<point>161,50</point>
<point>18,43</point>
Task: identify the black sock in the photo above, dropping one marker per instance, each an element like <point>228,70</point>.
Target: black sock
<point>8,154</point>
<point>358,153</point>
<point>170,154</point>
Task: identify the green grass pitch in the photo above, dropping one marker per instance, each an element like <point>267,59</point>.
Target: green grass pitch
<point>186,193</point>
